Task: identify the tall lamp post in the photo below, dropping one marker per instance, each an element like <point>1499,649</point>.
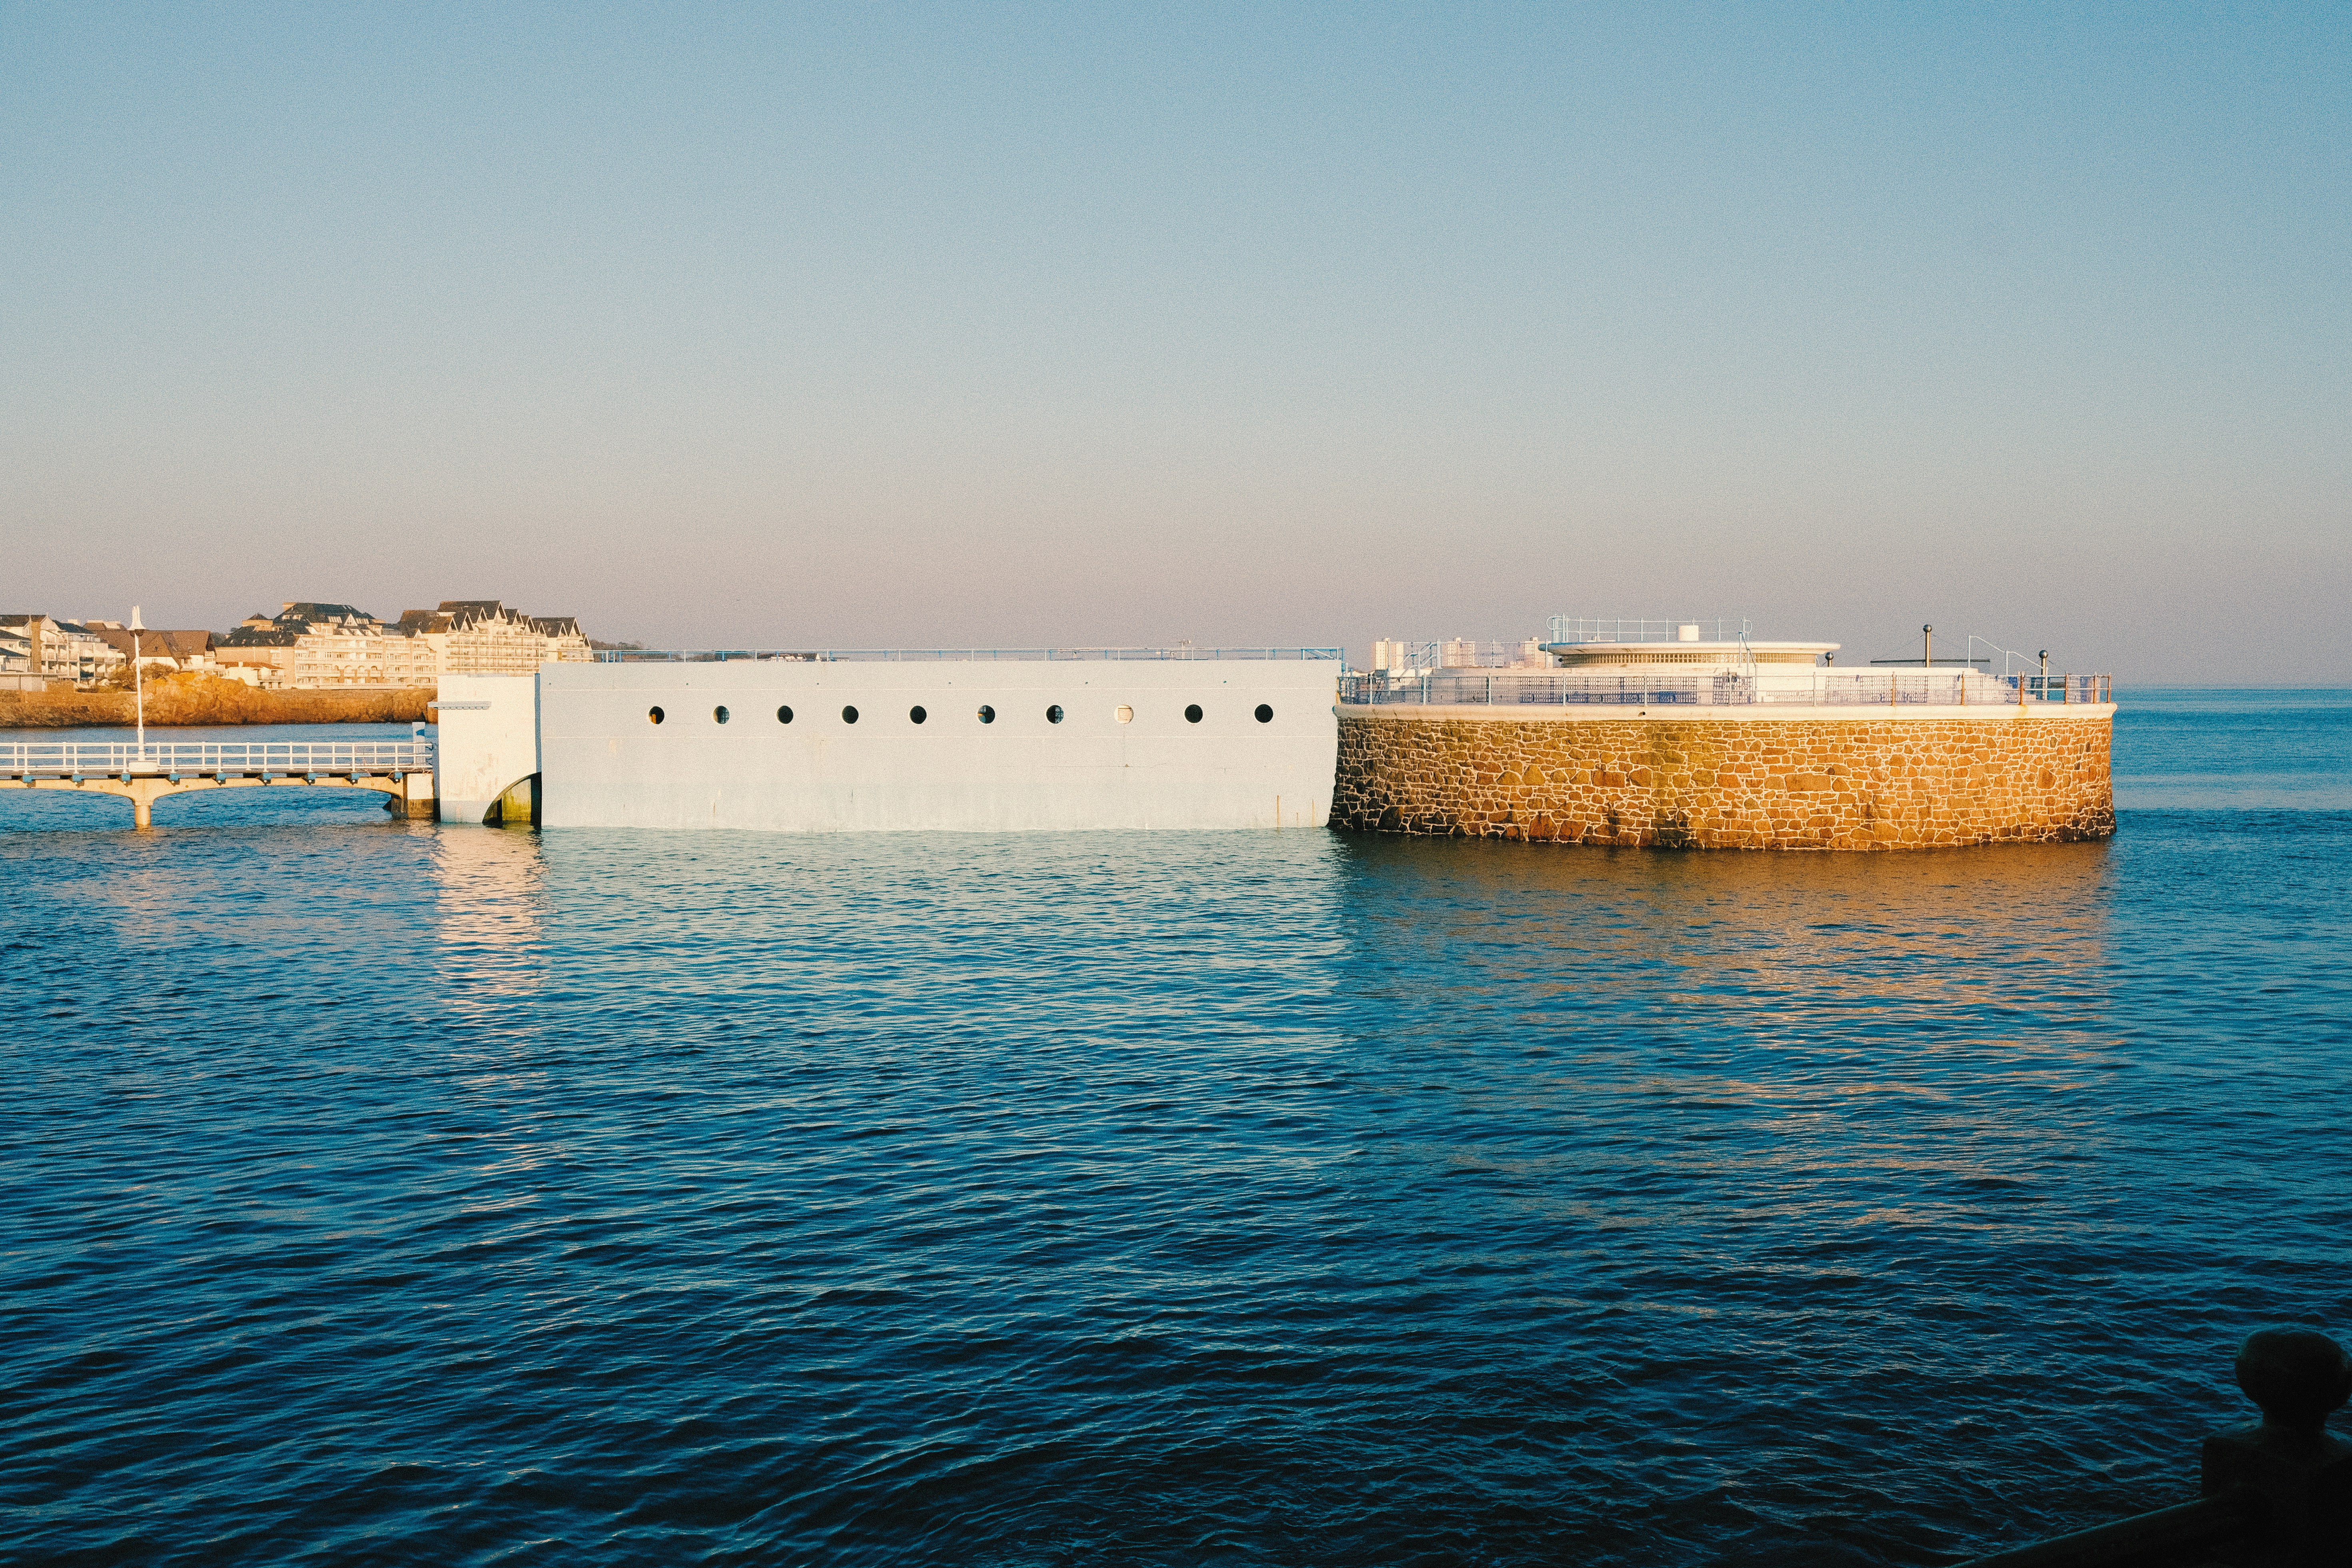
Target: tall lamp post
<point>138,683</point>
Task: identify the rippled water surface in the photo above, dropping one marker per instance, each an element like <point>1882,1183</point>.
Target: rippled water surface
<point>381,1192</point>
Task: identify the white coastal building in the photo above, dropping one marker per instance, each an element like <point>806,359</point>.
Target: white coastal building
<point>1665,663</point>
<point>1126,738</point>
<point>1736,669</point>
<point>44,647</point>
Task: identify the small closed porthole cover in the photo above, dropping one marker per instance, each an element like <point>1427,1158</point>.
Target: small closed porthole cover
<point>1123,713</point>
<point>719,714</point>
<point>987,714</point>
<point>1054,715</point>
<point>1264,714</point>
<point>655,715</point>
<point>1193,714</point>
<point>784,715</point>
<point>916,714</point>
<point>849,715</point>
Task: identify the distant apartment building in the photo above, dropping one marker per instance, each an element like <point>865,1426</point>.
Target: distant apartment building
<point>92,655</point>
<point>262,656</point>
<point>483,637</point>
<point>37,645</point>
<point>308,644</point>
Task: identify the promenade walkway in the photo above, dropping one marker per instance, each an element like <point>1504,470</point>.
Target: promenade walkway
<point>143,775</point>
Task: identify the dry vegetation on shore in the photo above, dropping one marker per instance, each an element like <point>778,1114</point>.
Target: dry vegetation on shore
<point>197,698</point>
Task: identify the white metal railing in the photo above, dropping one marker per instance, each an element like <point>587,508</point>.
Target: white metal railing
<point>1638,687</point>
<point>1602,628</point>
<point>102,759</point>
<point>948,655</point>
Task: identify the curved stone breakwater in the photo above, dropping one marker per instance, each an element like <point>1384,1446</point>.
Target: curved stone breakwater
<point>1815,779</point>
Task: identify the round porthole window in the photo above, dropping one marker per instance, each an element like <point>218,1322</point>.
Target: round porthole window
<point>987,714</point>
<point>1264,714</point>
<point>718,714</point>
<point>1123,713</point>
<point>784,715</point>
<point>1054,715</point>
<point>655,715</point>
<point>1193,714</point>
<point>849,715</point>
<point>916,714</point>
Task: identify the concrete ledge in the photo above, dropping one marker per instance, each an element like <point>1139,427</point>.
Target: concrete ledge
<point>1730,713</point>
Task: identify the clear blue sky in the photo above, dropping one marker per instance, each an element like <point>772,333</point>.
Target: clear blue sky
<point>896,325</point>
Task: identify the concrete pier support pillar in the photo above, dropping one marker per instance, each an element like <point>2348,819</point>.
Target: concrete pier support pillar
<point>142,794</point>
<point>416,800</point>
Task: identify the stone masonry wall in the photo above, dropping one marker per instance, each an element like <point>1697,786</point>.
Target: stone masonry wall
<point>1778,783</point>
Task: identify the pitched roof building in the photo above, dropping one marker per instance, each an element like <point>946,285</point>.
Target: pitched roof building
<point>483,637</point>
<point>157,648</point>
<point>309,644</point>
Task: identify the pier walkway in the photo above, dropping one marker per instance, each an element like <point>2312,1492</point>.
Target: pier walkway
<point>143,775</point>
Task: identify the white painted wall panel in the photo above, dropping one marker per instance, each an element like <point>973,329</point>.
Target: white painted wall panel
<point>604,764</point>
<point>487,741</point>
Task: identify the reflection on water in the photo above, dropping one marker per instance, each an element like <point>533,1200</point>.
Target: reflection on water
<point>1736,1020</point>
<point>490,921</point>
<point>383,1191</point>
<point>1791,944</point>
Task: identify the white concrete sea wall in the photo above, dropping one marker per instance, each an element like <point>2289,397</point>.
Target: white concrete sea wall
<point>487,741</point>
<point>1122,755</point>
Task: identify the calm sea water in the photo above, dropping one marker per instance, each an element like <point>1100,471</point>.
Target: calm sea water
<point>377,1193</point>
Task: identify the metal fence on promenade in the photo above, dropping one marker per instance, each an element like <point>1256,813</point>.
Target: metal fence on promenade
<point>951,655</point>
<point>1612,628</point>
<point>1723,689</point>
<point>199,759</point>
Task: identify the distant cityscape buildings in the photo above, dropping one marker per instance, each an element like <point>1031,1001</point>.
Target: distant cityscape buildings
<point>305,645</point>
